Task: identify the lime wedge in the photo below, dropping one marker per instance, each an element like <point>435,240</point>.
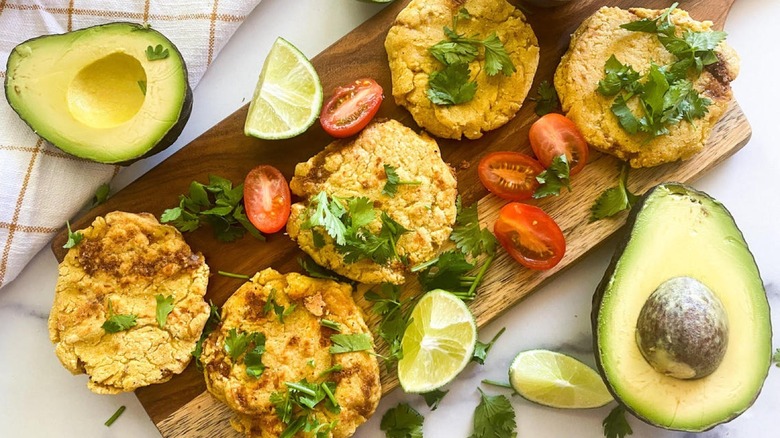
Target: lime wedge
<point>288,95</point>
<point>437,344</point>
<point>557,380</point>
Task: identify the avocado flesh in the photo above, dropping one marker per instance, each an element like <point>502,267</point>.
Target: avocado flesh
<point>675,231</point>
<point>94,94</point>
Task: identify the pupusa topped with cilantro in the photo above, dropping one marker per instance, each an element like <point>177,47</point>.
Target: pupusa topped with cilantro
<point>645,85</point>
<point>375,205</point>
<point>292,354</point>
<point>461,67</point>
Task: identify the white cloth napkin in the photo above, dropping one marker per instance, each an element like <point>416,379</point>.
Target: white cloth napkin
<point>40,186</point>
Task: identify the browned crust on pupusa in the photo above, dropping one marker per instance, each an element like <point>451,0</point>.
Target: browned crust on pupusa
<point>498,98</point>
<point>582,67</point>
<point>127,259</point>
<point>296,349</point>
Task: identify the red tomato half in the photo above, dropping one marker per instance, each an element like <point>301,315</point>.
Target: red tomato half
<point>509,175</point>
<point>351,108</point>
<point>530,236</point>
<point>267,198</point>
<point>554,135</point>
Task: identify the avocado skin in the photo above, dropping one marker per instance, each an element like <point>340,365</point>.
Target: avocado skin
<point>169,138</point>
<point>598,296</point>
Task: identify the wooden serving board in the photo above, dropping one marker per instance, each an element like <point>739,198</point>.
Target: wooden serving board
<point>181,407</point>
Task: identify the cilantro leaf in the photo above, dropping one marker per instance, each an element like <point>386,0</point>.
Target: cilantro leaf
<point>211,324</point>
<point>776,357</point>
<point>547,99</point>
<point>494,418</point>
<point>615,424</point>
<point>468,236</point>
<point>164,308</point>
<point>101,194</point>
<point>615,199</point>
<point>347,343</point>
<point>280,311</point>
<point>454,52</point>
<point>402,422</point>
<point>327,214</point>
<point>155,53</point>
<point>236,344</point>
<point>496,57</point>
<point>626,118</point>
<point>73,238</point>
<point>433,398</point>
<point>554,178</point>
<point>361,212</point>
<point>295,406</point>
<point>482,349</point>
<point>395,317</point>
<point>618,77</point>
<point>452,85</point>
<point>254,357</point>
<point>117,323</point>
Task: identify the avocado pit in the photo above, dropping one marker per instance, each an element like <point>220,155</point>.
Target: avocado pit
<point>682,329</point>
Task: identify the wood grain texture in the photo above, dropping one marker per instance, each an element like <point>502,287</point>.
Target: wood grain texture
<point>181,407</point>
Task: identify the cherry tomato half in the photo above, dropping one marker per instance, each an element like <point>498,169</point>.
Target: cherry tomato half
<point>266,198</point>
<point>509,175</point>
<point>554,135</point>
<point>351,108</point>
<point>530,236</point>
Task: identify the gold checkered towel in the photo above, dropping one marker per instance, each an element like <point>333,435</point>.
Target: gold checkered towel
<point>40,186</point>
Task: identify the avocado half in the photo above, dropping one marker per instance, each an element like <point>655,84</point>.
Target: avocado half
<point>95,93</point>
<point>678,232</point>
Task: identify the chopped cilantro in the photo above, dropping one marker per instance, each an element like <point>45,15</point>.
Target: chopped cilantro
<point>211,324</point>
<point>393,181</point>
<point>117,323</point>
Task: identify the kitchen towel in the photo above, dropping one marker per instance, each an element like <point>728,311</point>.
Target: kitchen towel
<point>40,186</point>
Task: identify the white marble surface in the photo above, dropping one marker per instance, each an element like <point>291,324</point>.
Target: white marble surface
<point>39,398</point>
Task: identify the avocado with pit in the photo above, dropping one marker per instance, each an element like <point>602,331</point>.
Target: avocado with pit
<point>112,93</point>
<point>681,324</point>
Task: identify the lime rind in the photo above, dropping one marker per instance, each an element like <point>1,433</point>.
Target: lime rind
<point>288,95</point>
<point>557,380</point>
<point>438,343</point>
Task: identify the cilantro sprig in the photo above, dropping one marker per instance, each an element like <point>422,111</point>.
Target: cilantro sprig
<point>74,238</point>
<point>211,323</point>
<point>449,270</point>
<point>494,417</point>
<point>156,52</point>
<point>482,349</point>
<point>546,99</point>
<point>665,94</point>
<point>347,222</point>
<point>225,213</point>
<point>453,84</point>
<point>395,314</point>
<point>615,199</point>
<point>615,424</point>
<point>402,421</point>
<point>554,178</point>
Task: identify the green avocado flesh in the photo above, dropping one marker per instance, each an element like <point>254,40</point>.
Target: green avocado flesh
<point>677,232</point>
<point>95,94</point>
